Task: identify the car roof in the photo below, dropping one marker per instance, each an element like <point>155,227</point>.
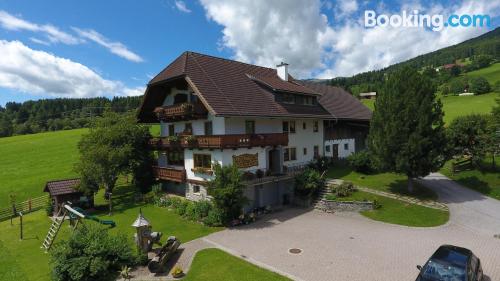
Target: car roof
<point>452,254</point>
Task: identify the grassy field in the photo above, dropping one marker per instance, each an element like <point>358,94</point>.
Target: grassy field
<point>454,106</point>
<point>28,161</point>
<point>392,211</point>
<point>490,73</point>
<point>24,260</point>
<point>485,180</point>
<point>397,212</point>
<point>214,265</point>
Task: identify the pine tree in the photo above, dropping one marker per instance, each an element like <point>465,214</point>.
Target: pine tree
<point>407,129</point>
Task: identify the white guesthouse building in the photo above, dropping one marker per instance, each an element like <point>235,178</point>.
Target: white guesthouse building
<point>260,119</point>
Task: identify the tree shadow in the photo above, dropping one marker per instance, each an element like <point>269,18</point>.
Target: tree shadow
<point>419,191</point>
<point>473,182</point>
<point>124,197</point>
<point>275,218</point>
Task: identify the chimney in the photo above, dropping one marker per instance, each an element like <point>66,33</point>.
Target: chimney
<point>282,70</point>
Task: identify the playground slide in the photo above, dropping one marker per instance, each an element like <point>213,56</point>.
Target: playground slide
<point>80,213</point>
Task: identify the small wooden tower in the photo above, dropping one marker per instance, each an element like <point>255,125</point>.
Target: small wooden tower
<point>143,228</point>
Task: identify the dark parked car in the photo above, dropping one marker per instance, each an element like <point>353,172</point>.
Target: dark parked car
<point>451,263</point>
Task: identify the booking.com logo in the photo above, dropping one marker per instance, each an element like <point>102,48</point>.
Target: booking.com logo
<point>434,22</point>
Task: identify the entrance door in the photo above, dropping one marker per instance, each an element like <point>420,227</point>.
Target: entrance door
<point>335,151</point>
<point>274,161</point>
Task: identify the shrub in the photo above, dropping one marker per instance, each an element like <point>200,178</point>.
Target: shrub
<point>175,202</point>
<point>214,218</point>
<point>361,162</point>
<point>376,205</point>
<point>321,164</point>
<point>202,208</point>
<point>479,85</point>
<point>308,183</point>
<point>344,189</point>
<point>49,208</point>
<point>227,191</point>
<point>182,207</point>
<point>91,253</point>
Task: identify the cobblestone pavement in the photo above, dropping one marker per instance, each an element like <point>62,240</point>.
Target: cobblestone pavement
<point>348,246</point>
<point>468,208</point>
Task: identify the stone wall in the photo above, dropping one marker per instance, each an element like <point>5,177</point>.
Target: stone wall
<point>331,206</point>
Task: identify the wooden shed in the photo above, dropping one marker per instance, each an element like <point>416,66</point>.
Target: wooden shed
<point>62,191</point>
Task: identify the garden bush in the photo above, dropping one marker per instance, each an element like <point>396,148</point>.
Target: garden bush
<point>182,207</point>
<point>321,164</point>
<point>361,162</point>
<point>344,189</point>
<point>214,218</point>
<point>479,85</point>
<point>308,183</point>
<point>91,253</point>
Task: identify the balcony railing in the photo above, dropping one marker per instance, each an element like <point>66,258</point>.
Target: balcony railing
<point>220,141</point>
<point>181,111</point>
<point>170,173</point>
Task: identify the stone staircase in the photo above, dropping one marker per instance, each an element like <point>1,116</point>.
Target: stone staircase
<point>317,204</point>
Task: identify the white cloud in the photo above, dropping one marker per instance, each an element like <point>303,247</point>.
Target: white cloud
<point>268,32</point>
<point>116,48</point>
<point>53,34</point>
<point>181,6</point>
<point>348,6</point>
<point>295,31</point>
<point>38,72</point>
<point>39,41</point>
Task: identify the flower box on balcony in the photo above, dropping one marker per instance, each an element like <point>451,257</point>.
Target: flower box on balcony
<point>202,170</point>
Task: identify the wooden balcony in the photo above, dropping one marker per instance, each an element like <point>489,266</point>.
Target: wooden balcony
<point>220,141</point>
<point>181,111</point>
<point>177,174</point>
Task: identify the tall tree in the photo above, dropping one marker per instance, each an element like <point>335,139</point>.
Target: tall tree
<point>115,145</point>
<point>227,191</point>
<point>407,129</point>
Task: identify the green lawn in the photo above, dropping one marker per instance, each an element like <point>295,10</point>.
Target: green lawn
<point>398,212</point>
<point>24,260</point>
<point>454,106</point>
<point>392,211</point>
<point>490,73</point>
<point>390,182</point>
<point>28,161</point>
<point>214,265</point>
<point>486,180</point>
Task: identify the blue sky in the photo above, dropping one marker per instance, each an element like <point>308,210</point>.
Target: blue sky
<point>96,48</point>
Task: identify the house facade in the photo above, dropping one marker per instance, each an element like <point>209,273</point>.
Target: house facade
<point>214,110</point>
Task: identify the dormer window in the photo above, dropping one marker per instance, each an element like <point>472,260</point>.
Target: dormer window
<point>295,99</point>
<point>288,98</point>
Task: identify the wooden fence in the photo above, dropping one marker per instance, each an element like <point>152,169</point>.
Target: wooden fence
<point>30,205</point>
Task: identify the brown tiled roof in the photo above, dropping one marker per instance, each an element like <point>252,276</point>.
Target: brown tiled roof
<point>339,102</point>
<point>230,88</point>
<point>62,187</point>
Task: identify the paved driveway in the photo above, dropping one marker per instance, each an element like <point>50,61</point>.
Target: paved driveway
<point>348,246</point>
<point>468,208</point>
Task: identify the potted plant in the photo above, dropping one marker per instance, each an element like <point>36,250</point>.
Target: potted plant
<point>177,271</point>
<point>173,139</point>
<point>191,140</point>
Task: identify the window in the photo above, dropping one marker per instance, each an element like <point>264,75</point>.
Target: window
<point>175,157</point>
<point>303,125</point>
<point>316,126</point>
<point>327,148</point>
<point>346,146</point>
<point>208,128</point>
<point>202,161</point>
<point>180,98</point>
<point>196,189</point>
<point>249,127</point>
<point>171,130</point>
<point>290,154</point>
<point>188,128</point>
<point>285,126</point>
<point>308,100</point>
<point>305,150</point>
<point>288,98</point>
<point>316,151</point>
<point>292,127</point>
